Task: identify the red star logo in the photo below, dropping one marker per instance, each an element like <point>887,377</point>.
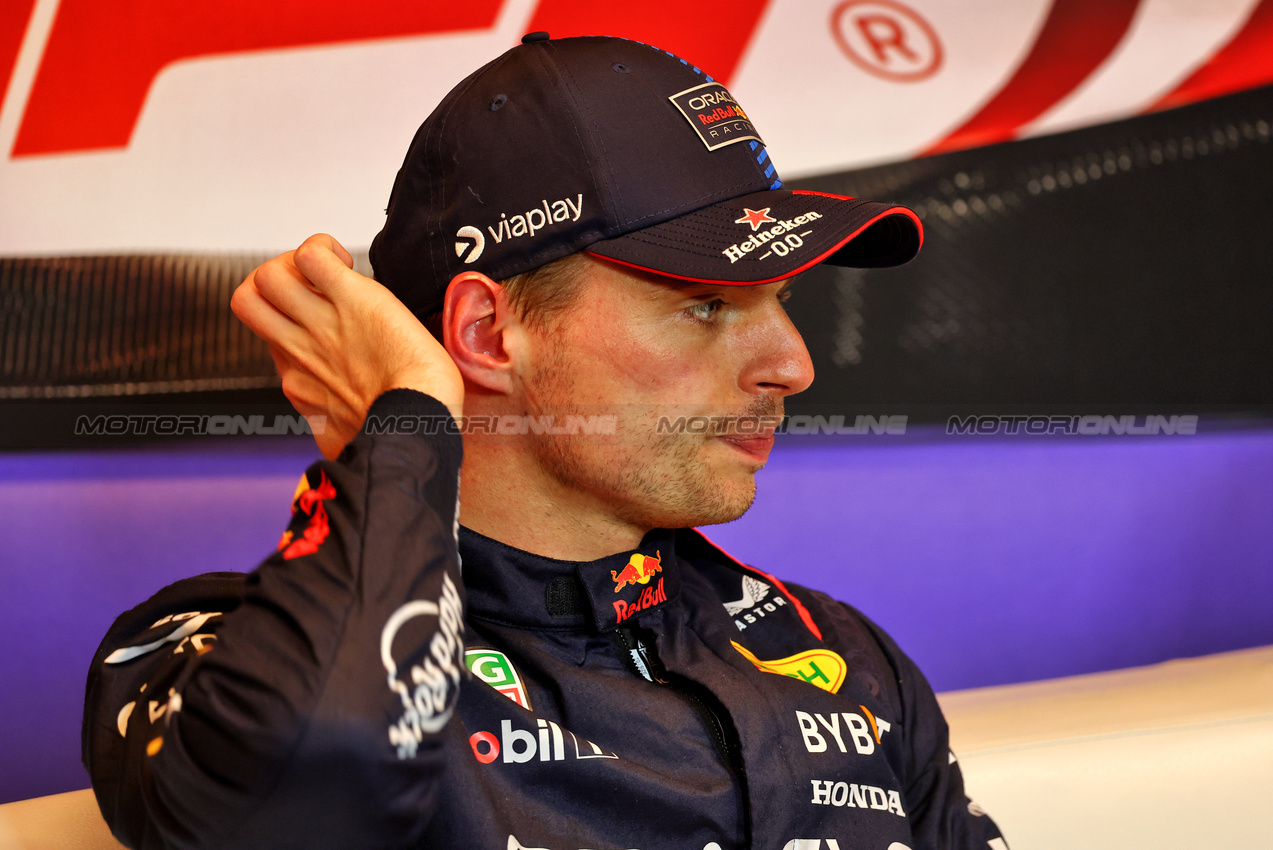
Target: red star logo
<point>755,218</point>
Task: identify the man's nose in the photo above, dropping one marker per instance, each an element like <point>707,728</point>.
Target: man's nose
<point>781,365</point>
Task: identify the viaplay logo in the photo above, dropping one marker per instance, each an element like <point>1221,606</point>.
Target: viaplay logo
<point>469,243</point>
<point>715,115</point>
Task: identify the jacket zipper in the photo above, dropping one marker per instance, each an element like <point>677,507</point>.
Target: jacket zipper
<point>642,661</point>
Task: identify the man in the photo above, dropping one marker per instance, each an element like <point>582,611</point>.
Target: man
<point>594,231</point>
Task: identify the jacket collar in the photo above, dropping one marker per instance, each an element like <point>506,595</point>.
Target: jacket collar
<point>519,588</point>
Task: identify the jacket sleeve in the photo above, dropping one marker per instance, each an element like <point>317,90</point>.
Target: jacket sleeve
<point>941,815</point>
<point>301,705</point>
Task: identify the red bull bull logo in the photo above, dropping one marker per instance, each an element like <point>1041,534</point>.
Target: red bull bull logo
<point>639,570</point>
<point>310,501</point>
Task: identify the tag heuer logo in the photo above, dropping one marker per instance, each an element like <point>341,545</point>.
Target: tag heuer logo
<point>715,115</point>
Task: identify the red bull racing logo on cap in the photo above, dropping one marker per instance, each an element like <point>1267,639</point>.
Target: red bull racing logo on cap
<point>715,115</point>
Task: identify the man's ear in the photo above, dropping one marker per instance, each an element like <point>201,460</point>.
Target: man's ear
<point>481,331</point>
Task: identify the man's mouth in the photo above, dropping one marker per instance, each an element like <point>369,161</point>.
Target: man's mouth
<point>752,433</point>
<point>756,447</point>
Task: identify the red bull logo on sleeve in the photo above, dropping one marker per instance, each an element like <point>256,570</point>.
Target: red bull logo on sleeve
<point>639,570</point>
<point>308,500</point>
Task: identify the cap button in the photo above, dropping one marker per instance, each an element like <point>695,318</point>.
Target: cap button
<point>534,36</point>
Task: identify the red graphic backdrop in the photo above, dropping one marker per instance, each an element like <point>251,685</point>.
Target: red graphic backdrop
<point>14,15</point>
<point>713,33</point>
<point>103,56</point>
<point>1244,63</point>
<point>887,39</point>
<point>1076,38</point>
<point>90,89</point>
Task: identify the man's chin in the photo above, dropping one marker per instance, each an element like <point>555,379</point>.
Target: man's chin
<point>730,505</point>
<point>710,501</point>
<point>721,519</point>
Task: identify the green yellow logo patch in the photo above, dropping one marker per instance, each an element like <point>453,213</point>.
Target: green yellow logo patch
<point>821,668</point>
<point>494,668</point>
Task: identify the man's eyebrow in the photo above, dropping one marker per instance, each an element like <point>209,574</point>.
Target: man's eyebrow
<point>685,285</point>
<point>711,286</point>
<point>686,288</point>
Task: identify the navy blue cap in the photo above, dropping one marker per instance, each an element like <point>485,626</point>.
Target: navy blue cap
<point>620,149</point>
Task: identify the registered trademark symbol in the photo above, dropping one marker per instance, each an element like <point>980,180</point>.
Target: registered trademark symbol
<point>887,39</point>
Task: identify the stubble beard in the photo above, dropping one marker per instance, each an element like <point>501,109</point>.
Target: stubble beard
<point>644,478</point>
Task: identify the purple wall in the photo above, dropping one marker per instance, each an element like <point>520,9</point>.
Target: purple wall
<point>996,560</point>
<point>990,560</point>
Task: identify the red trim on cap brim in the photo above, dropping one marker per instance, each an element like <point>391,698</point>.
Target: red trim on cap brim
<point>911,213</point>
<point>823,194</point>
<point>919,227</point>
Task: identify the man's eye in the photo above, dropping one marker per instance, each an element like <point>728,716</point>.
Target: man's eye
<point>706,311</point>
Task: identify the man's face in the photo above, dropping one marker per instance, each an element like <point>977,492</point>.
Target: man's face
<point>646,349</point>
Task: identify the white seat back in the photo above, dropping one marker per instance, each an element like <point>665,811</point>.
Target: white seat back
<point>67,821</point>
<point>1177,756</point>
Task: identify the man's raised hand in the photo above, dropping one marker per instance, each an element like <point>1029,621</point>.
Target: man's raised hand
<point>340,339</point>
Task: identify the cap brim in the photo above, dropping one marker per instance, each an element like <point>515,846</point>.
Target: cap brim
<point>768,236</point>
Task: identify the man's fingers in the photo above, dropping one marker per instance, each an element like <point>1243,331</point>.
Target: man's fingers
<point>328,266</point>
<point>282,284</point>
<point>336,248</point>
<point>263,318</point>
<point>339,339</point>
<point>325,240</point>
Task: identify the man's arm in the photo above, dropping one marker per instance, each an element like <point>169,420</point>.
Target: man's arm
<point>941,815</point>
<point>339,339</point>
<point>304,705</point>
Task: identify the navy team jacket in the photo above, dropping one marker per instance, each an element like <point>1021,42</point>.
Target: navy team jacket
<point>360,690</point>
